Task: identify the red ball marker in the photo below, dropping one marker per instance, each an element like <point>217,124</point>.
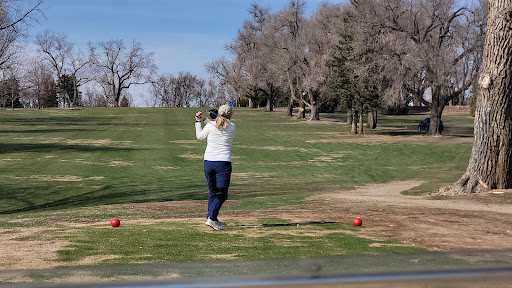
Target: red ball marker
<point>358,222</point>
<point>115,222</point>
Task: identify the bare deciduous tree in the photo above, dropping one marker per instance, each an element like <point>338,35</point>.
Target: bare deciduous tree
<point>437,47</point>
<point>121,67</point>
<point>11,85</point>
<point>18,15</point>
<point>490,165</point>
<point>290,50</point>
<point>93,98</point>
<point>322,36</point>
<point>41,86</point>
<point>161,91</point>
<point>184,90</point>
<point>254,60</point>
<point>66,61</point>
<point>82,71</point>
<point>229,73</point>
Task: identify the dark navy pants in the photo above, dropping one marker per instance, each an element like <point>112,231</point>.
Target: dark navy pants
<point>218,175</point>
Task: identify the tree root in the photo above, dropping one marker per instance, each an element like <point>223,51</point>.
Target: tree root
<point>467,184</point>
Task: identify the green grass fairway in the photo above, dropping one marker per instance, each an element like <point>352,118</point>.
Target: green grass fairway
<point>86,166</point>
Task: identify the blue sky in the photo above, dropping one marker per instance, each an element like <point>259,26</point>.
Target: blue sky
<point>184,35</point>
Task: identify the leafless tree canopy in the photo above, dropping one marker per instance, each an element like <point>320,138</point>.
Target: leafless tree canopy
<point>427,51</point>
<point>15,18</point>
<point>396,51</point>
<point>185,90</point>
<point>432,47</point>
<point>121,67</point>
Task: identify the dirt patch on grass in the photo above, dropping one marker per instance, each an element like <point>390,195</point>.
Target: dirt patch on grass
<point>20,255</point>
<point>476,222</point>
<point>192,156</point>
<point>247,178</point>
<point>447,224</point>
<point>222,257</point>
<point>87,277</point>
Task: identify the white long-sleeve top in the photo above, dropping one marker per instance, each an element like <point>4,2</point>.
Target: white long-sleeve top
<point>218,147</point>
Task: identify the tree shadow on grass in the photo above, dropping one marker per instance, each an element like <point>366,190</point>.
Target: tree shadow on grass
<point>42,131</point>
<point>397,132</point>
<point>294,224</point>
<point>48,147</point>
<point>105,195</point>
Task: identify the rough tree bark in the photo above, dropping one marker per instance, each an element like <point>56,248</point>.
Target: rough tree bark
<point>289,108</point>
<point>436,112</point>
<point>313,99</point>
<point>372,119</point>
<point>354,117</point>
<point>302,108</point>
<point>490,163</point>
<point>360,130</point>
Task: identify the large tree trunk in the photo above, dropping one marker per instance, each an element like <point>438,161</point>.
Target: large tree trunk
<point>292,95</point>
<point>353,131</point>
<point>490,163</point>
<point>436,112</point>
<point>302,110</point>
<point>289,109</point>
<point>361,123</point>
<point>270,104</point>
<point>350,116</point>
<point>372,119</point>
<point>313,99</point>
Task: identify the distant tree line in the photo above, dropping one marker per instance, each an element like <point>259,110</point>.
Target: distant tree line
<point>62,75</point>
<point>362,57</point>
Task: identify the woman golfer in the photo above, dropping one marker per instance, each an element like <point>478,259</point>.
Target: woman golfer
<point>217,159</point>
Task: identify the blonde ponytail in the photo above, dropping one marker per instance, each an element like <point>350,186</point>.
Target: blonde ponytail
<point>221,122</point>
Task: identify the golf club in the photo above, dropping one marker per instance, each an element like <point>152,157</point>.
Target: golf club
<point>212,112</point>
